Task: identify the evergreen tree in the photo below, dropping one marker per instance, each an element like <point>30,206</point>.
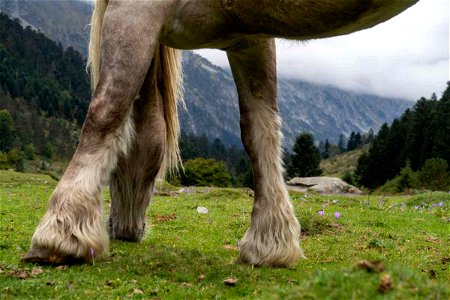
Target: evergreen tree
<point>187,148</point>
<point>373,165</point>
<point>342,143</point>
<point>407,178</point>
<point>420,133</point>
<point>218,150</point>
<point>20,165</point>
<point>354,141</point>
<point>434,175</point>
<point>30,151</point>
<point>7,131</point>
<point>369,138</point>
<point>49,151</point>
<point>351,141</point>
<point>358,140</point>
<point>441,124</point>
<point>305,161</point>
<point>326,150</point>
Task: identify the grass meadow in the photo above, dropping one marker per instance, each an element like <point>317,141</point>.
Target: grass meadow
<point>378,248</point>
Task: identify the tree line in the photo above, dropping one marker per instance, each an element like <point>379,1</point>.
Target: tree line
<point>44,96</point>
<point>420,135</point>
<point>27,135</point>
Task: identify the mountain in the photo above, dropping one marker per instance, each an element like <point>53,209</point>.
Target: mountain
<point>211,100</point>
<point>328,111</point>
<point>211,97</point>
<point>41,72</point>
<point>65,21</point>
<point>44,95</point>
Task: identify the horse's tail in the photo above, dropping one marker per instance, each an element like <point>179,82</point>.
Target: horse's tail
<point>93,62</point>
<point>172,92</point>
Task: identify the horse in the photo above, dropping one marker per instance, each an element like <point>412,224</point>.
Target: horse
<point>130,134</point>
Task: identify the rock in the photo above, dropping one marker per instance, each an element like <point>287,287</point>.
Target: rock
<point>322,185</point>
<point>230,281</point>
<point>202,210</point>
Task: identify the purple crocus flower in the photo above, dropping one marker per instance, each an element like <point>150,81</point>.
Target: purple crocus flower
<point>441,204</point>
<point>337,215</point>
<point>92,255</point>
<point>321,212</point>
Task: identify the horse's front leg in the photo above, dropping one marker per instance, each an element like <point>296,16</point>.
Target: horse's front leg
<point>73,230</point>
<point>274,233</point>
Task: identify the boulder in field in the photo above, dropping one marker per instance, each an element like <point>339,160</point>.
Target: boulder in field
<point>322,185</point>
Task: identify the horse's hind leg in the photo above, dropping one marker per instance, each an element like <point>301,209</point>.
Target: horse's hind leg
<point>73,228</point>
<point>134,178</point>
<point>273,236</point>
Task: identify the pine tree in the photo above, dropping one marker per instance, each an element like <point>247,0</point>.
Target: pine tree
<point>342,143</point>
<point>420,133</point>
<point>351,141</point>
<point>218,150</point>
<point>434,175</point>
<point>370,137</point>
<point>406,179</point>
<point>358,140</point>
<point>441,124</point>
<point>326,150</point>
<point>7,131</point>
<point>373,165</point>
<point>305,161</point>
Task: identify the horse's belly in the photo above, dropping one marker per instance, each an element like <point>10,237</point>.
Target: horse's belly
<point>197,24</point>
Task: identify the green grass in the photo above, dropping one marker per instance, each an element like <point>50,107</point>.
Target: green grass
<point>187,255</point>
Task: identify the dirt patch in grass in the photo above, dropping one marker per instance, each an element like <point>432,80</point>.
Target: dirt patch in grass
<point>26,273</point>
<point>164,218</point>
<point>371,266</point>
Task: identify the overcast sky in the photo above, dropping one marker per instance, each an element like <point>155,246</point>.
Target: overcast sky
<point>405,57</point>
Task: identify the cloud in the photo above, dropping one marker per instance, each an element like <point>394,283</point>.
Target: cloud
<point>406,57</point>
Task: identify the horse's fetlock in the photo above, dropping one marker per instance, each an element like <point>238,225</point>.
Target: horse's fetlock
<point>71,231</point>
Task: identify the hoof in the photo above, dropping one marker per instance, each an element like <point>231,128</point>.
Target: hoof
<point>276,261</point>
<point>272,241</point>
<point>49,257</point>
<point>128,235</point>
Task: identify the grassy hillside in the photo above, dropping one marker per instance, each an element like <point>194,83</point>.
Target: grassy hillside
<point>188,255</point>
<point>341,163</point>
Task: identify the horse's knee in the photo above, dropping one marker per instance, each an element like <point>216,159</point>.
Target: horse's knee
<point>106,113</point>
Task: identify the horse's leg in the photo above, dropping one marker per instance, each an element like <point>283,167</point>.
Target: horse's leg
<point>273,236</point>
<point>133,179</point>
<point>73,228</point>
